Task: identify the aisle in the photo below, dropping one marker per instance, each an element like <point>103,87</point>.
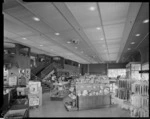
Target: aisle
<point>57,109</point>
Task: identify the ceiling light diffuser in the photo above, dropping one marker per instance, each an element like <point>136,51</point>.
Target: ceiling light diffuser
<point>24,38</point>
<point>57,34</point>
<point>146,21</point>
<point>129,48</point>
<point>36,19</point>
<point>132,42</point>
<point>68,42</point>
<point>137,35</point>
<point>98,28</point>
<point>92,8</point>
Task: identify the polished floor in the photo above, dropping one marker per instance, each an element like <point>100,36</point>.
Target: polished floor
<point>57,109</point>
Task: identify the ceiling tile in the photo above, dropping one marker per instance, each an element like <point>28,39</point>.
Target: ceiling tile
<point>114,12</point>
<point>9,34</point>
<point>114,31</point>
<point>93,34</point>
<point>84,16</point>
<point>50,15</point>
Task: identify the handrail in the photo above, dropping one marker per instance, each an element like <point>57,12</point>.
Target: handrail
<point>47,69</point>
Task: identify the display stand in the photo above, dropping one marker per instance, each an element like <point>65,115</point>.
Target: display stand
<point>140,94</point>
<point>59,92</point>
<point>93,92</point>
<point>132,70</point>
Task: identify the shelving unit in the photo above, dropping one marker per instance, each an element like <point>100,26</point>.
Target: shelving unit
<point>132,70</point>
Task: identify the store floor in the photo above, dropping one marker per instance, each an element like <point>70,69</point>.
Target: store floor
<point>57,109</point>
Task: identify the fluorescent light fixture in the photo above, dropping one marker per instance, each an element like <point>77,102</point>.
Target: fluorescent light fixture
<point>57,34</point>
<point>129,48</point>
<point>132,43</point>
<point>68,42</point>
<point>98,28</point>
<point>24,38</point>
<point>41,45</point>
<point>146,21</point>
<point>92,8</point>
<point>36,19</point>
<point>137,35</point>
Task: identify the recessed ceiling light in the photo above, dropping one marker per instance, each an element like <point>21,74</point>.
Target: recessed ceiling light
<point>24,38</point>
<point>137,35</point>
<point>132,42</point>
<point>146,21</point>
<point>102,38</point>
<point>41,45</point>
<point>92,8</point>
<point>68,42</point>
<point>36,19</point>
<point>57,34</point>
<point>129,48</point>
<point>98,28</point>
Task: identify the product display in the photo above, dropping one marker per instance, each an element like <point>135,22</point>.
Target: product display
<point>140,99</point>
<point>92,87</point>
<point>59,91</point>
<point>35,93</point>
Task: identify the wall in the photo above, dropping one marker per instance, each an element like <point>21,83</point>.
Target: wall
<point>116,65</point>
<point>144,51</point>
<point>100,68</point>
<point>97,69</point>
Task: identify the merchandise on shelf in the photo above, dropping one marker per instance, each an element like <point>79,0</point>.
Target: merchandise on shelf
<point>132,70</point>
<point>59,90</point>
<point>141,88</point>
<point>92,87</point>
<point>140,99</point>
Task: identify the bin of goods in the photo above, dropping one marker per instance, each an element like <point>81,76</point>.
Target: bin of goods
<point>92,92</point>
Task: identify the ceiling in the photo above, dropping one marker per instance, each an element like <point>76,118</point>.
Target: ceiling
<point>103,30</point>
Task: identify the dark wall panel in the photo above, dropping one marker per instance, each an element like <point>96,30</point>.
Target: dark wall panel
<point>98,69</point>
<point>116,65</point>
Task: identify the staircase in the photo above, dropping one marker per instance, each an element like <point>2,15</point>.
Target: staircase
<point>48,69</point>
<point>40,67</point>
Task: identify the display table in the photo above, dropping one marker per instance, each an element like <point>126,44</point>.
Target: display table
<point>93,102</point>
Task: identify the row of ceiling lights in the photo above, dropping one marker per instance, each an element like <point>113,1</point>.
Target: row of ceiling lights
<point>137,35</point>
<point>57,34</point>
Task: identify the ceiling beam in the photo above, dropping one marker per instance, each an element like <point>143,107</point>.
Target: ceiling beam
<point>101,22</point>
<point>66,13</point>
